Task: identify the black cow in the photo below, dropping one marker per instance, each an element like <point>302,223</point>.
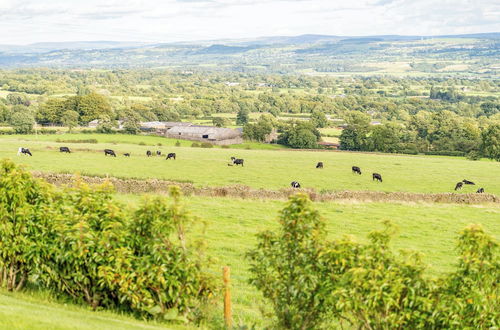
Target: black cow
<point>109,152</point>
<point>480,191</point>
<point>468,182</point>
<point>24,151</point>
<point>158,153</point>
<point>64,149</point>
<point>459,186</point>
<point>295,184</point>
<point>238,161</point>
<point>149,153</point>
<point>171,155</point>
<point>126,154</point>
<point>319,165</point>
<point>356,169</point>
<point>376,176</point>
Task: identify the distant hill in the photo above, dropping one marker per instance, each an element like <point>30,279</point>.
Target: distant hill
<point>315,54</point>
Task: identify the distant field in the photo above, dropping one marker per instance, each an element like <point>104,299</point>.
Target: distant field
<point>231,226</point>
<point>270,169</point>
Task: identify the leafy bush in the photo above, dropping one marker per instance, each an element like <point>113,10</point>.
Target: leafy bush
<point>311,282</point>
<point>206,145</point>
<point>82,243</point>
<point>195,145</point>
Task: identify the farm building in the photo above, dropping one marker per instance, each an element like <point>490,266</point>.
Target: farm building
<point>214,135</point>
<point>161,126</point>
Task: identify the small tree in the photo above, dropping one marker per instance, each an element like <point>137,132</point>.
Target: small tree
<point>70,119</point>
<point>242,117</point>
<point>219,121</point>
<point>490,146</point>
<point>22,122</point>
<point>318,119</point>
<point>286,267</point>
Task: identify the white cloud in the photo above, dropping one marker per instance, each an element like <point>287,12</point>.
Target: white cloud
<point>28,21</point>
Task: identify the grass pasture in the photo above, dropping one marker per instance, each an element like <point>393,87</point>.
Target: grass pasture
<point>263,168</point>
<point>231,226</point>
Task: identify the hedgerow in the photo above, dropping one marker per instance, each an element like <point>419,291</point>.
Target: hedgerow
<point>311,282</point>
<point>81,243</point>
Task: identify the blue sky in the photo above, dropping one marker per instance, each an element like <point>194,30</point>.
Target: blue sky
<point>29,21</point>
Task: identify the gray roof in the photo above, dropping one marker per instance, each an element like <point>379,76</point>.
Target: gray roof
<point>211,131</point>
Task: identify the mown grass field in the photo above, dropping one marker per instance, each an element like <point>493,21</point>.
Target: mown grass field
<point>270,169</point>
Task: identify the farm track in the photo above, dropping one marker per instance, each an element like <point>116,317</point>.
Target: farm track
<point>136,186</point>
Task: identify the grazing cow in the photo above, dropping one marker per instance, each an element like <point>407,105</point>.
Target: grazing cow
<point>149,153</point>
<point>356,169</point>
<point>109,152</point>
<point>158,153</point>
<point>480,191</point>
<point>459,186</point>
<point>171,155</point>
<point>376,176</point>
<point>23,151</point>
<point>126,154</point>
<point>319,165</point>
<point>238,161</point>
<point>468,182</point>
<point>64,149</point>
<point>295,184</point>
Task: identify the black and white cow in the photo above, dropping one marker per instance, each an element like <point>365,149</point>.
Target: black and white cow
<point>158,153</point>
<point>468,182</point>
<point>149,153</point>
<point>64,149</point>
<point>126,154</point>
<point>376,176</point>
<point>238,161</point>
<point>480,191</point>
<point>295,184</point>
<point>171,156</point>
<point>319,165</point>
<point>24,151</point>
<point>356,169</point>
<point>109,152</point>
<point>459,185</point>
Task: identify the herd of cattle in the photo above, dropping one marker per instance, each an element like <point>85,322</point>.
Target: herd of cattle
<point>238,161</point>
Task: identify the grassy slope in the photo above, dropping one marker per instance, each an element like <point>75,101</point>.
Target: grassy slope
<point>263,169</point>
<point>27,311</point>
<point>233,223</point>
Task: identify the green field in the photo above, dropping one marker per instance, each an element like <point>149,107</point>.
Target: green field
<point>270,169</point>
<point>232,223</point>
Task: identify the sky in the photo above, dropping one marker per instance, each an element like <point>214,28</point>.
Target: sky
<point>31,21</point>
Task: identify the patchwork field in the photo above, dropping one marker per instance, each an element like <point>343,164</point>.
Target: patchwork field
<point>270,169</point>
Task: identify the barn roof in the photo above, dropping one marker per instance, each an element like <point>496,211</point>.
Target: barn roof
<point>211,131</point>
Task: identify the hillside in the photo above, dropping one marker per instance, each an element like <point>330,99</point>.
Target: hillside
<point>312,54</point>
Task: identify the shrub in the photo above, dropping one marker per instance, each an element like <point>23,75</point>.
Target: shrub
<point>177,143</point>
<point>142,143</point>
<point>285,266</point>
<point>225,146</point>
<point>195,145</point>
<point>25,224</point>
<point>206,145</point>
<point>310,282</point>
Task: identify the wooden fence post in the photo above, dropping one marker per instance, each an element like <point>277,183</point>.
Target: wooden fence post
<point>228,317</point>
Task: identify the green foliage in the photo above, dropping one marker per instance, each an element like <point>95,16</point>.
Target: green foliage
<point>319,119</point>
<point>219,121</point>
<point>25,225</point>
<point>22,122</point>
<point>311,282</point>
<point>242,117</point>
<point>157,274</point>
<point>490,145</point>
<point>300,134</point>
<point>286,266</point>
<point>81,243</point>
<point>260,130</point>
<point>70,119</point>
<point>354,136</point>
